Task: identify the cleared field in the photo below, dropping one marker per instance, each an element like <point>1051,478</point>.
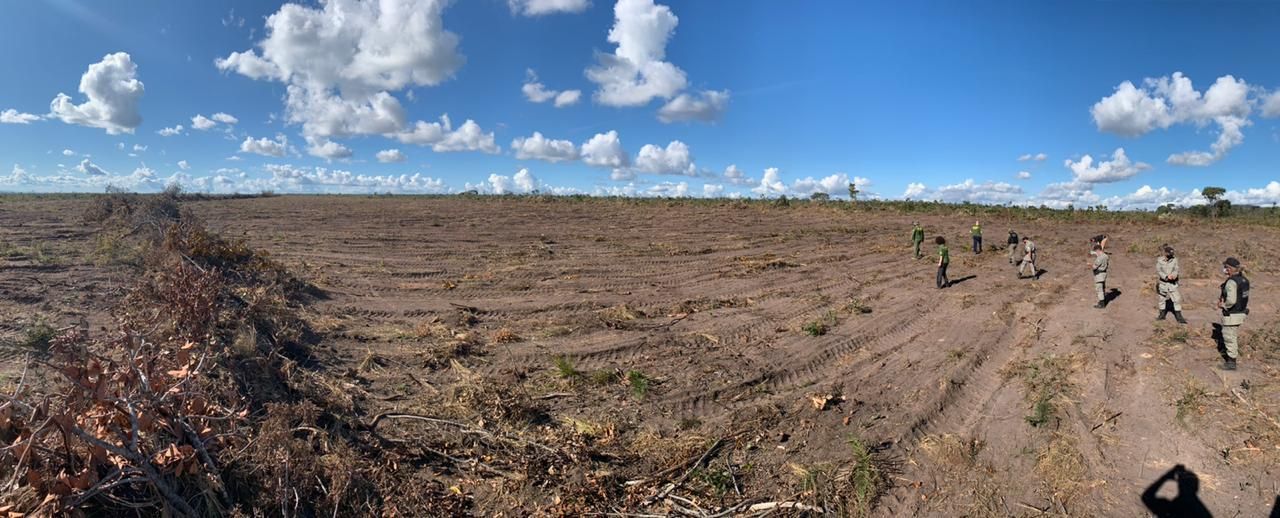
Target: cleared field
<point>744,346</point>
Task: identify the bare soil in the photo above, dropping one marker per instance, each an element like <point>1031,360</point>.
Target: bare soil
<point>652,329</point>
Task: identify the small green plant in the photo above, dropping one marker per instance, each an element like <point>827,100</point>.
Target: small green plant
<point>604,377</point>
<point>815,328</point>
<point>565,368</point>
<point>719,480</point>
<point>866,479</point>
<point>1193,396</point>
<point>39,335</point>
<point>639,383</point>
<point>1179,336</point>
<point>1046,380</point>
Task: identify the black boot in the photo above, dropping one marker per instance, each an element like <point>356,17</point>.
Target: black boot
<point>1229,364</point>
<point>1162,314</point>
<point>1100,305</point>
<point>1177,315</point>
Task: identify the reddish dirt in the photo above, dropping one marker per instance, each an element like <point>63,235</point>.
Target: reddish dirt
<point>710,303</point>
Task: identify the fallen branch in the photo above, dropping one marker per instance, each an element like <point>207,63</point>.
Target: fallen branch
<point>666,490</point>
<point>1105,421</point>
<point>770,506</point>
<point>372,426</point>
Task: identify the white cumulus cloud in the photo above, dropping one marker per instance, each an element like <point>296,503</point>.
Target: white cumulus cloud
<point>736,176</point>
<point>537,147</point>
<point>523,182</point>
<point>709,106</point>
<point>542,7</point>
<point>536,92</point>
<point>674,159</point>
<point>112,91</point>
<point>604,150</point>
<point>89,168</point>
<point>264,146</point>
<point>169,132</point>
<point>387,156</point>
<point>1114,170</point>
<point>636,72</point>
<point>443,138</point>
<point>327,149</point>
<point>182,164</point>
<point>1024,175</point>
<point>992,193</point>
<point>12,116</point>
<point>202,123</point>
<point>225,118</point>
<point>1038,157</point>
<point>1271,105</point>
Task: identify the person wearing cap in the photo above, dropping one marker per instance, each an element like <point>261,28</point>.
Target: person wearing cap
<point>1028,257</point>
<point>1013,247</point>
<point>917,237</point>
<point>1234,303</point>
<point>976,232</point>
<point>1100,264</point>
<point>1167,285</point>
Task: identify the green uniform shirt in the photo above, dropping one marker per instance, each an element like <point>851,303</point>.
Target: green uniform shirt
<point>917,234</point>
<point>977,230</point>
<point>944,254</point>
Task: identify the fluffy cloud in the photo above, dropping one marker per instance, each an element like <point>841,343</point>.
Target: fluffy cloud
<point>341,59</point>
<point>541,7</point>
<point>17,176</point>
<point>669,190</point>
<point>835,184</point>
<point>635,73</point>
<point>536,92</point>
<point>225,118</point>
<point>708,106</point>
<point>770,184</point>
<point>169,132</point>
<point>710,190</point>
<point>1038,157</point>
<point>538,147</point>
<point>674,159</point>
<point>202,123</point>
<point>604,150</point>
<point>1024,175</point>
<point>995,193</point>
<point>327,149</point>
<point>1114,170</point>
<point>735,176</point>
<point>387,156</point>
<point>182,164</point>
<point>319,179</point>
<point>89,168</point>
<point>442,137</point>
<point>1165,101</point>
<point>12,116</point>
<point>264,146</point>
<point>112,91</point>
<point>1269,195</point>
<point>1271,105</point>
<point>523,182</point>
<point>68,152</point>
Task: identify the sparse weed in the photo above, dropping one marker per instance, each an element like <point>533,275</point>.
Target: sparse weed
<point>1191,402</point>
<point>604,377</point>
<point>38,335</point>
<point>1046,381</point>
<point>820,326</point>
<point>848,490</point>
<point>565,368</point>
<point>639,383</point>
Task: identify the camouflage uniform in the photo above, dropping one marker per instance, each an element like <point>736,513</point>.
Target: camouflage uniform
<point>1028,259</point>
<point>1167,274</point>
<point>1235,307</point>
<point>1101,262</point>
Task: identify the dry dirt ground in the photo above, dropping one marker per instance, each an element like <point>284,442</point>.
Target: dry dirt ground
<point>659,326</point>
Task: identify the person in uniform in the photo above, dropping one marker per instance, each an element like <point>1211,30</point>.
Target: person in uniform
<point>1013,247</point>
<point>1167,285</point>
<point>944,259</point>
<point>1099,265</point>
<point>976,232</point>
<point>1100,240</point>
<point>1234,303</point>
<point>1028,258</point>
<point>917,237</point>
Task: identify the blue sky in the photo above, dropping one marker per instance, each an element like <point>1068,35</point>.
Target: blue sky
<point>927,100</point>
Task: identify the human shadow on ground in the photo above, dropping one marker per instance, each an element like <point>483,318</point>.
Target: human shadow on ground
<point>1186,504</point>
<point>1275,508</point>
<point>1112,295</point>
<point>962,279</point>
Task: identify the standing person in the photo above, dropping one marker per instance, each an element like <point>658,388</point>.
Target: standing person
<point>1099,265</point>
<point>1013,247</point>
<point>1167,285</point>
<point>976,231</point>
<point>917,237</point>
<point>944,259</point>
<point>1028,258</point>
<point>1234,303</point>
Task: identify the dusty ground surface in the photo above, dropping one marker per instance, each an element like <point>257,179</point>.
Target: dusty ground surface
<point>659,327</point>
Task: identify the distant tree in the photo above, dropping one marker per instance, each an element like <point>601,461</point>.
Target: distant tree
<point>820,196</point>
<point>853,191</point>
<point>1222,207</point>
<point>1212,194</point>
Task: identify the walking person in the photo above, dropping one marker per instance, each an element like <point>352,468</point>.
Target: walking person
<point>1100,265</point>
<point>1234,303</point>
<point>917,237</point>
<point>1028,258</point>
<point>1013,247</point>
<point>976,231</point>
<point>1167,285</point>
<point>944,259</point>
